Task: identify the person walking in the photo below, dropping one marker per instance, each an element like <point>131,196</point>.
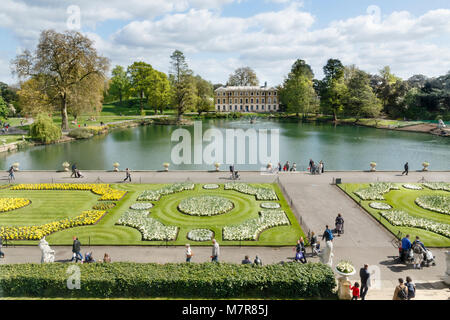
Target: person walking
<point>364,275</point>
<point>311,164</point>
<point>74,170</point>
<point>406,169</point>
<point>327,235</point>
<point>128,174</point>
<point>11,174</point>
<point>188,252</point>
<point>2,255</point>
<point>339,223</point>
<point>323,166</point>
<point>215,251</point>
<point>419,250</point>
<point>401,291</point>
<point>411,288</point>
<point>313,242</point>
<point>320,167</point>
<point>355,291</point>
<point>76,248</point>
<point>232,171</point>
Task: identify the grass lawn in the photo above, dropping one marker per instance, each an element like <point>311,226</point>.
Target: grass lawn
<point>10,138</point>
<point>403,199</point>
<point>52,205</point>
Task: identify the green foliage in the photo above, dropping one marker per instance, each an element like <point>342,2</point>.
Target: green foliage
<point>4,110</point>
<point>80,133</point>
<point>206,280</point>
<point>44,130</point>
<point>120,84</point>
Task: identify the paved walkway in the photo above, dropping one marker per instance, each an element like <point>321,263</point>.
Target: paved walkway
<point>314,199</point>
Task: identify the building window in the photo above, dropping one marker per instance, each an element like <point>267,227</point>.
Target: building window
<point>251,93</point>
<point>223,108</point>
<point>275,93</point>
<point>240,94</point>
<point>246,93</point>
<point>268,108</point>
<point>262,107</point>
<point>256,107</point>
<point>246,100</point>
<point>240,101</point>
<point>263,100</point>
<point>218,108</point>
<point>270,93</point>
<point>269,100</point>
<point>251,100</point>
<point>274,100</point>
<point>257,100</point>
<point>251,108</point>
<point>231,108</point>
<point>218,100</point>
<point>242,108</point>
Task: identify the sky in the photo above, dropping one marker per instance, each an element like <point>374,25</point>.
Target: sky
<point>219,36</point>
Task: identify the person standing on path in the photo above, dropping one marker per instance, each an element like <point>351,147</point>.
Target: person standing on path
<point>215,251</point>
<point>76,249</point>
<point>355,291</point>
<point>323,166</point>
<point>406,246</point>
<point>313,242</point>
<point>365,278</point>
<point>327,235</point>
<point>406,169</point>
<point>11,173</point>
<point>2,255</point>
<point>246,260</point>
<point>320,167</point>
<point>339,224</point>
<point>128,174</point>
<point>188,253</point>
<point>411,288</point>
<point>419,251</point>
<point>401,291</point>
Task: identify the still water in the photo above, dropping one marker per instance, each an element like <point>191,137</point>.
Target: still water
<point>340,147</point>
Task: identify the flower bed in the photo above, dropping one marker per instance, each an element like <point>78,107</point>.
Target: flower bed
<point>250,229</point>
<point>104,206</point>
<point>380,206</point>
<point>8,204</point>
<point>141,206</point>
<point>211,186</point>
<point>259,193</point>
<point>402,219</point>
<point>38,232</point>
<point>376,191</point>
<point>412,186</point>
<point>345,267</point>
<point>270,205</point>
<point>155,195</point>
<point>205,206</point>
<point>150,228</point>
<point>436,203</point>
<point>438,186</point>
<point>200,235</point>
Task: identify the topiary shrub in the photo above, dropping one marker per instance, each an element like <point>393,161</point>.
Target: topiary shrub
<point>44,130</point>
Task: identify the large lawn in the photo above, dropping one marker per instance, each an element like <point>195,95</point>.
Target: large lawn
<point>51,205</point>
<point>404,199</point>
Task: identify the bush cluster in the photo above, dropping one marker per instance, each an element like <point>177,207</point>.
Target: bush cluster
<point>207,280</point>
<point>44,130</point>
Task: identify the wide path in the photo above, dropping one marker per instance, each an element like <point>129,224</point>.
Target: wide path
<point>313,198</point>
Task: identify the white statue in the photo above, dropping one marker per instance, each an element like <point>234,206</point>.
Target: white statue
<point>48,255</point>
<point>326,256</point>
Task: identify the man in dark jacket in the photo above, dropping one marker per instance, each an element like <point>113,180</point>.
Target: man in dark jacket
<point>2,255</point>
<point>365,276</point>
<point>327,235</point>
<point>406,169</point>
<point>76,248</point>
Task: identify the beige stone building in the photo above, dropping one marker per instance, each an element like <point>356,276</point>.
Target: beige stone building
<point>246,99</point>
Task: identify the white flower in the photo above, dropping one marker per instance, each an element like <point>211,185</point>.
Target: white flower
<point>155,195</point>
<point>436,203</point>
<point>205,206</point>
<point>412,186</point>
<point>211,186</point>
<point>375,191</point>
<point>259,193</point>
<point>438,186</point>
<point>200,235</point>
<point>141,206</point>
<point>270,205</point>
<point>380,205</point>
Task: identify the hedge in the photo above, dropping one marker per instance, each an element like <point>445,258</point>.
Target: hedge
<point>207,280</point>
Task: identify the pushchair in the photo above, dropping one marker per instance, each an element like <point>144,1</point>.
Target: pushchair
<point>428,258</point>
<point>236,175</point>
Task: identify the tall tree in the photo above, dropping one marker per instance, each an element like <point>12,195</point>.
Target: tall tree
<point>183,85</point>
<point>33,99</point>
<point>4,109</point>
<point>244,76</point>
<point>159,91</point>
<point>63,61</point>
<point>332,88</point>
<point>205,95</point>
<point>140,75</point>
<point>120,83</point>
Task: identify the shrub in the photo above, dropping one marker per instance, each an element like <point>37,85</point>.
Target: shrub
<point>80,133</point>
<point>207,280</point>
<point>44,130</point>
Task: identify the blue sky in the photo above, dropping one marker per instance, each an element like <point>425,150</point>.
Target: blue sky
<point>218,36</point>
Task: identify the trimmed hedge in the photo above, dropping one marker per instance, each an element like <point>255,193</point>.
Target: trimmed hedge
<point>207,280</point>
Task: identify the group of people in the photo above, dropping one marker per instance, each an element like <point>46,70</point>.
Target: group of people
<point>316,168</point>
<point>88,257</point>
<point>416,250</point>
<point>5,127</point>
<point>287,167</point>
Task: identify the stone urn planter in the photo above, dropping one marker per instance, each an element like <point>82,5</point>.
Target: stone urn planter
<point>217,165</point>
<point>16,166</point>
<point>344,284</point>
<point>116,166</point>
<point>373,166</point>
<point>66,166</point>
<point>425,166</point>
<point>166,166</point>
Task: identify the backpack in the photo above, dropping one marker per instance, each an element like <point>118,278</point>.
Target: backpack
<point>402,295</point>
<point>330,235</point>
<point>411,290</point>
<point>418,249</point>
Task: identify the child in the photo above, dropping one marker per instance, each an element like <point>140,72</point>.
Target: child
<point>355,291</point>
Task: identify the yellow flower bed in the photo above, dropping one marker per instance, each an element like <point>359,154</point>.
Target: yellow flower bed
<point>8,204</point>
<point>104,190</point>
<point>37,232</point>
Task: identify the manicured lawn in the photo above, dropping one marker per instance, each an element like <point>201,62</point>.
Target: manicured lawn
<point>52,205</point>
<point>403,199</point>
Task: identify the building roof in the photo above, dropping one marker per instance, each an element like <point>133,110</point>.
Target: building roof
<point>245,88</point>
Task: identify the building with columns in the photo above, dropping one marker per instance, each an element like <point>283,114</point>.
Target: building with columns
<point>246,99</point>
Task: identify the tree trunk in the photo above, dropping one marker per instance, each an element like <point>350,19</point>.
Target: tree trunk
<point>335,116</point>
<point>140,101</point>
<point>64,118</point>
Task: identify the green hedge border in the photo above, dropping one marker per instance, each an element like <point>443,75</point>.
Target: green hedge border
<point>205,280</point>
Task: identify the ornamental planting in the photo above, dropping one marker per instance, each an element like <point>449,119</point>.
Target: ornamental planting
<point>376,191</point>
<point>155,195</point>
<point>259,193</point>
<point>205,206</point>
<point>437,203</point>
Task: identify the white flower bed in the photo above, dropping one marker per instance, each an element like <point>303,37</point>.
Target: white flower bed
<point>141,206</point>
<point>436,203</point>
<point>155,195</point>
<point>205,206</point>
<point>412,186</point>
<point>211,186</point>
<point>200,235</point>
<point>250,229</point>
<point>402,219</point>
<point>259,193</point>
<point>150,228</point>
<point>376,191</point>
<point>438,186</point>
<point>380,206</point>
<point>270,205</point>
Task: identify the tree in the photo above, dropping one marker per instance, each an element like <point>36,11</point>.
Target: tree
<point>120,84</point>
<point>140,75</point>
<point>63,61</point>
<point>44,130</point>
<point>298,94</point>
<point>86,97</point>
<point>332,88</point>
<point>159,91</point>
<point>4,109</point>
<point>361,101</point>
<point>244,76</point>
<point>182,82</point>
<point>391,92</point>
<point>8,94</point>
<point>205,95</point>
<point>33,98</point>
